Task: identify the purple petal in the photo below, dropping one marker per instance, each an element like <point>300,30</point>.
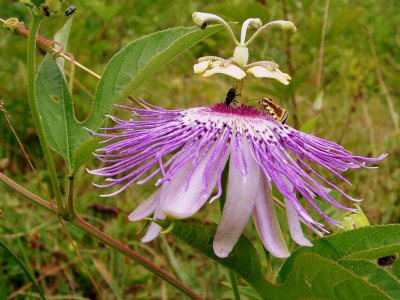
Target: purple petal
<point>180,200</point>
<point>239,204</point>
<point>294,225</point>
<point>267,224</point>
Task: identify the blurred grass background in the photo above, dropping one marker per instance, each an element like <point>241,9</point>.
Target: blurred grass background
<point>359,77</point>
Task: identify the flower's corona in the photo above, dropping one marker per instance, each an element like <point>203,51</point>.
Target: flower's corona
<point>188,149</point>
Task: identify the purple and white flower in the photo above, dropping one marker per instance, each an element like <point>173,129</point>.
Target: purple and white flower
<point>187,150</point>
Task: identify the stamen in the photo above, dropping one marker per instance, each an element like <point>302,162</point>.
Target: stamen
<point>286,26</point>
<point>252,23</point>
<point>199,18</point>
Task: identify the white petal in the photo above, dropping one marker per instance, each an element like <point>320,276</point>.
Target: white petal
<point>230,70</point>
<point>239,204</point>
<point>201,66</point>
<point>294,225</point>
<point>154,229</point>
<point>179,200</point>
<point>145,208</point>
<point>267,224</point>
<point>294,221</point>
<point>259,71</point>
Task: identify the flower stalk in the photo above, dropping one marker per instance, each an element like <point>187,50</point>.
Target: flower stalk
<point>31,72</point>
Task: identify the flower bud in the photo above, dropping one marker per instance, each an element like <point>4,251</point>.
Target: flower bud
<point>255,23</point>
<point>288,27</point>
<point>51,7</point>
<point>355,220</point>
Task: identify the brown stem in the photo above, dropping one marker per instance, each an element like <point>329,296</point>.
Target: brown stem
<point>93,231</point>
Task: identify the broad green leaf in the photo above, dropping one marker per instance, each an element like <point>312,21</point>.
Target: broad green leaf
<point>376,275</point>
<point>364,243</point>
<point>396,268</point>
<point>311,276</point>
<point>63,131</point>
<point>243,259</point>
<point>316,277</point>
<point>124,73</point>
<point>137,61</point>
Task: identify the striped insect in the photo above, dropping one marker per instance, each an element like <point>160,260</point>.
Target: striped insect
<point>268,106</point>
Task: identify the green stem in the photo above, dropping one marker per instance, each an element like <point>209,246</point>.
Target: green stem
<point>96,233</point>
<point>70,198</point>
<point>235,287</point>
<point>31,67</point>
<point>232,275</point>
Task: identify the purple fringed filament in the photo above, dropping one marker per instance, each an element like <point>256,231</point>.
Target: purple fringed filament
<point>188,149</point>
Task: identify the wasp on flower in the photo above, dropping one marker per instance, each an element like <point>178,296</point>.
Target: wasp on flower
<point>186,150</point>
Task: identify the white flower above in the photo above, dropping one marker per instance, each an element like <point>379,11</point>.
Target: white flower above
<point>237,66</point>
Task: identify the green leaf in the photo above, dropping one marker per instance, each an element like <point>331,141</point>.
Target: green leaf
<point>124,73</point>
<point>243,259</point>
<point>311,276</point>
<point>84,151</point>
<point>365,243</point>
<point>137,61</point>
<point>316,277</point>
<point>63,131</point>
<point>375,275</point>
<point>61,36</point>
